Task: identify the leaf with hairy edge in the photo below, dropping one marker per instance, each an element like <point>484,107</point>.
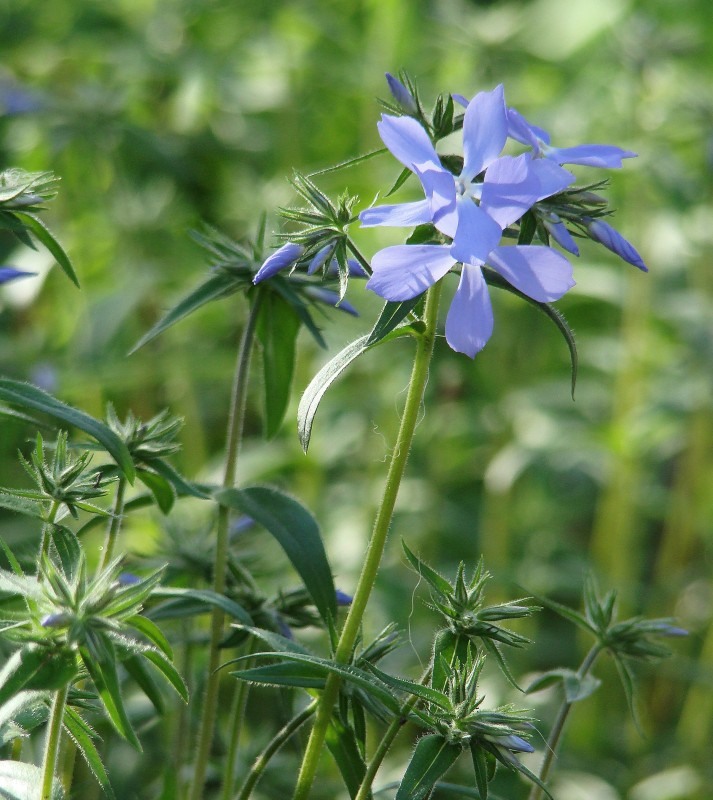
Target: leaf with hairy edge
<point>68,549</point>
<point>494,651</point>
<point>35,667</point>
<point>12,414</point>
<point>274,640</point>
<point>391,316</point>
<point>169,672</point>
<point>342,743</point>
<point>492,278</point>
<point>43,233</point>
<point>152,632</point>
<point>436,581</point>
<point>297,533</point>
<point>568,613</point>
<point>29,396</point>
<point>135,666</point>
<point>303,676</point>
<point>187,602</point>
<point>182,486</point>
<point>277,329</point>
<point>433,696</point>
<point>217,286</point>
<point>162,491</point>
<point>309,403</point>
<point>480,767</point>
<point>21,505</point>
<point>20,781</point>
<point>81,735</point>
<point>431,759</point>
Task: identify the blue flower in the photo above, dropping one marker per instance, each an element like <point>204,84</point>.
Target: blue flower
<point>283,258</point>
<point>603,233</point>
<point>590,155</point>
<point>510,185</point>
<point>401,94</point>
<point>10,274</point>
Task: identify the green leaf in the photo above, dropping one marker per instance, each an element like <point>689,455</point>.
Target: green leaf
<point>152,632</point>
<point>20,781</point>
<point>309,403</point>
<point>304,676</point>
<point>166,668</point>
<point>42,232</point>
<point>28,396</point>
<point>342,743</point>
<point>492,278</point>
<point>528,228</point>
<point>140,673</point>
<point>392,314</point>
<point>575,687</point>
<point>159,487</point>
<point>431,759</point>
<point>68,549</point>
<point>433,696</point>
<point>182,486</point>
<point>99,659</point>
<point>21,505</point>
<point>568,613</point>
<point>188,602</point>
<point>278,643</point>
<point>217,286</point>
<point>404,175</point>
<point>627,682</point>
<point>81,735</point>
<point>35,667</point>
<point>297,533</point>
<point>436,581</point>
<point>447,647</point>
<point>480,767</point>
<point>21,714</point>
<point>13,414</point>
<point>277,329</point>
<point>494,651</point>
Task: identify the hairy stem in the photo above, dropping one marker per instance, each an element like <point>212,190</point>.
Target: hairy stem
<point>117,517</point>
<point>272,747</point>
<point>558,725</point>
<point>234,435</point>
<point>54,733</point>
<point>375,549</point>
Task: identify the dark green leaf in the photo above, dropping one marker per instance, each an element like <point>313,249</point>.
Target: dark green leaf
<point>400,181</point>
<point>135,666</point>
<point>34,667</point>
<point>277,330</point>
<point>21,505</point>
<point>168,671</point>
<point>431,759</point>
<point>28,396</point>
<point>217,286</point>
<point>305,676</point>
<point>494,651</point>
<point>568,613</point>
<point>528,228</point>
<point>42,232</point>
<point>391,315</point>
<point>188,602</point>
<point>433,696</point>
<point>436,581</point>
<point>81,735</point>
<point>297,533</point>
<point>448,648</point>
<point>152,632</point>
<point>182,486</point>
<point>343,746</point>
<point>159,487</point>
<point>480,768</point>
<point>68,549</point>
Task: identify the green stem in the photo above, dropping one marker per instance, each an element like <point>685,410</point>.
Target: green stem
<point>47,527</point>
<point>386,741</point>
<point>375,549</point>
<point>54,732</point>
<point>236,418</point>
<point>359,257</point>
<point>240,699</point>
<point>117,517</point>
<point>272,747</point>
<point>558,725</point>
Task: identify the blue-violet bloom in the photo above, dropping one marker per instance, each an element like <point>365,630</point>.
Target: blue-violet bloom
<point>285,257</point>
<point>603,233</point>
<point>401,94</point>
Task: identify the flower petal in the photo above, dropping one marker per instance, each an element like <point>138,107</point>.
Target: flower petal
<point>477,233</point>
<point>405,271</point>
<point>10,274</point>
<point>539,272</point>
<point>558,231</point>
<point>603,233</point>
<point>280,259</point>
<point>589,155</point>
<point>514,184</point>
<point>485,130</point>
<point>524,132</point>
<point>440,188</point>
<point>408,142</point>
<point>469,323</point>
<point>397,216</point>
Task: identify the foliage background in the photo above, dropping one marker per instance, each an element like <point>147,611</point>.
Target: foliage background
<point>163,115</point>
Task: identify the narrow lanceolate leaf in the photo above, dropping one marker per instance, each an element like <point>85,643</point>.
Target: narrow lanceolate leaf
<point>27,396</point>
<point>218,285</point>
<point>66,545</point>
<point>342,743</point>
<point>297,533</point>
<point>436,581</point>
<point>152,632</point>
<point>480,768</point>
<point>433,696</point>
<point>392,315</point>
<point>277,330</point>
<point>494,279</point>
<point>81,735</point>
<point>45,236</point>
<point>36,668</point>
<point>169,672</point>
<point>160,488</point>
<point>20,781</point>
<point>309,403</point>
<point>568,613</point>
<point>21,505</point>
<point>431,759</point>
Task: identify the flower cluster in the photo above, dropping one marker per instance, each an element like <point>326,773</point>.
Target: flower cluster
<point>470,211</point>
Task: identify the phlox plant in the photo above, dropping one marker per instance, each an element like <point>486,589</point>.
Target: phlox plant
<point>82,634</point>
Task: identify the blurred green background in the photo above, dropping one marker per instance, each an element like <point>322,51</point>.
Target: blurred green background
<point>163,115</point>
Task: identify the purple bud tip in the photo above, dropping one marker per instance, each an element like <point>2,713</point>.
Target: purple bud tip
<point>516,744</point>
<point>673,630</point>
<point>58,620</point>
<point>286,256</point>
<point>128,579</point>
<point>401,94</point>
<point>241,525</point>
<point>603,233</point>
<point>10,274</point>
<point>343,599</point>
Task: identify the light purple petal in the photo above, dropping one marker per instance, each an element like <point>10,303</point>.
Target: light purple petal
<point>485,130</point>
<point>397,216</point>
<point>440,188</point>
<point>408,142</point>
<point>469,323</point>
<point>319,259</point>
<point>603,233</point>
<point>477,233</point>
<point>524,132</point>
<point>539,272</point>
<point>514,184</point>
<point>405,271</point>
<point>589,155</point>
<point>11,274</point>
<point>355,269</point>
<point>280,259</point>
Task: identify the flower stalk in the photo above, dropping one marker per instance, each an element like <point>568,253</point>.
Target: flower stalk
<point>54,733</point>
<point>236,419</point>
<point>375,549</point>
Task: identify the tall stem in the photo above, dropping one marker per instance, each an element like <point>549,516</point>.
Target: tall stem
<point>117,517</point>
<point>375,549</point>
<point>558,725</point>
<point>54,732</point>
<point>236,418</point>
